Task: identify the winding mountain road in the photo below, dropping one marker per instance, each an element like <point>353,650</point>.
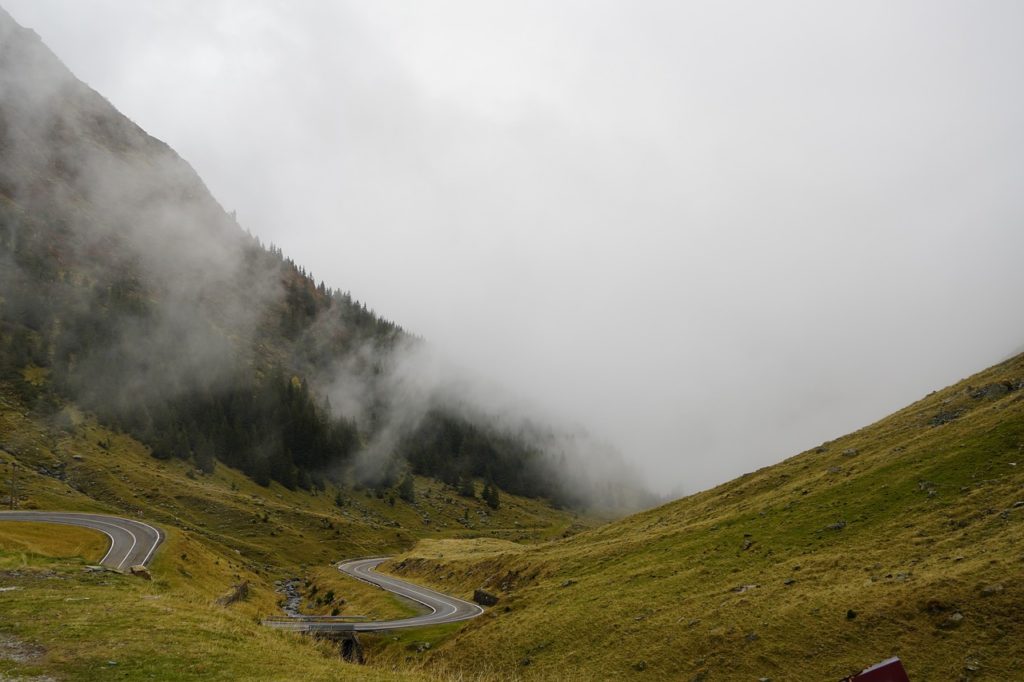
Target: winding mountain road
<point>131,542</point>
<point>443,608</point>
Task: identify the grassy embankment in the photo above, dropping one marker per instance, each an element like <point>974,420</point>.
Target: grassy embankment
<point>903,538</point>
<point>222,529</point>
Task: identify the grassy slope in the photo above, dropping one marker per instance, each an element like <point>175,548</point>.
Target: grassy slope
<point>221,529</point>
<point>48,539</point>
<point>933,514</point>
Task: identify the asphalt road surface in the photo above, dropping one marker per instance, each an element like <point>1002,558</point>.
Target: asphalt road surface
<point>443,609</point>
<point>131,542</point>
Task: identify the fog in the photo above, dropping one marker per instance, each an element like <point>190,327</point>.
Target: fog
<point>711,234</point>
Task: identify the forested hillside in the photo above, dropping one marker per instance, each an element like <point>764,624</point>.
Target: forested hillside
<point>136,296</point>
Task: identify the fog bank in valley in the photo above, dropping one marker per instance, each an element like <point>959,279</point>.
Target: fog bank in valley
<point>709,234</point>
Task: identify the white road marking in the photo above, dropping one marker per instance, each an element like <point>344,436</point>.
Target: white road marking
<point>98,522</point>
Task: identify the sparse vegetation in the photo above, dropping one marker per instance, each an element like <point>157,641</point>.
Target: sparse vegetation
<point>910,526</point>
<point>223,530</point>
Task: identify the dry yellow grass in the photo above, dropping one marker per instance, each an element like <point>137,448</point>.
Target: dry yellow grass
<point>222,529</point>
<point>900,539</point>
<point>53,540</point>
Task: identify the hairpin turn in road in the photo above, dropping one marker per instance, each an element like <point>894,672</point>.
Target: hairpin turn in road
<point>132,543</point>
<point>443,608</point>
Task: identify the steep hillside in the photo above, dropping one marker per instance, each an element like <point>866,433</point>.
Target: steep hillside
<point>222,530</point>
<point>147,305</point>
<point>903,538</point>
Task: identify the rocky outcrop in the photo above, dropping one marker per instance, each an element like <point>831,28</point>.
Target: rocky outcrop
<point>236,593</point>
<point>484,598</point>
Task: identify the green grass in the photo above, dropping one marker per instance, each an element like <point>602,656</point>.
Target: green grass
<point>49,539</point>
<point>930,527</point>
<point>222,529</point>
<point>931,521</point>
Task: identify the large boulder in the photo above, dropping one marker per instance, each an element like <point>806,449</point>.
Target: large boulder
<point>236,593</point>
<point>141,571</point>
<point>484,598</point>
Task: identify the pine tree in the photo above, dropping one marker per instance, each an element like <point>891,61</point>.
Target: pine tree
<point>466,487</point>
<point>407,490</point>
<point>490,495</point>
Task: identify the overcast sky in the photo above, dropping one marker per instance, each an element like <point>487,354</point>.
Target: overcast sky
<point>713,233</point>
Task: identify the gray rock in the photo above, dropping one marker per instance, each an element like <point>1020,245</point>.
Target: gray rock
<point>993,391</point>
<point>838,525</point>
<point>990,590</point>
<point>954,621</point>
<point>484,598</point>
<point>744,588</point>
<point>945,416</point>
<point>141,571</point>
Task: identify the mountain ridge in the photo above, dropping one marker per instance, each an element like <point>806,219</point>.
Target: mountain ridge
<point>151,307</point>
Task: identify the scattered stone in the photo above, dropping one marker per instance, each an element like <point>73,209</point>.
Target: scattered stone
<point>972,665</point>
<point>851,452</point>
<point>789,581</point>
<point>640,666</point>
<point>990,590</point>
<point>838,525</point>
<point>525,662</point>
<point>18,651</point>
<point>747,544</point>
<point>744,588</point>
<point>12,588</point>
<point>993,391</point>
<point>751,637</point>
<point>94,569</point>
<point>850,614</point>
<point>953,621</point>
<point>945,416</point>
<point>111,663</point>
<point>292,601</point>
<point>1018,505</point>
<point>568,583</point>
<point>835,470</point>
<point>484,598</point>
<point>141,571</point>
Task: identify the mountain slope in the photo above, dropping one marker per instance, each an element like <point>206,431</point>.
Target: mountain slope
<point>223,530</point>
<point>902,538</point>
<point>150,307</point>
